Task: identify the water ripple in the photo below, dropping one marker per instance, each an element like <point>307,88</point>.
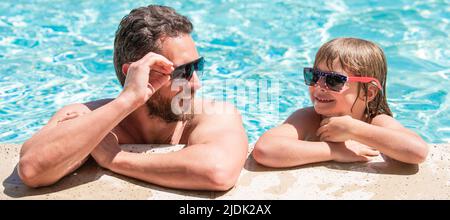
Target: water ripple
<point>54,53</point>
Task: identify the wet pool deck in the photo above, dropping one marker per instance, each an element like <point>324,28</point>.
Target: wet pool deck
<point>378,179</point>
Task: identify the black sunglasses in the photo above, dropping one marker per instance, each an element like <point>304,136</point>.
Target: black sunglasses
<point>186,71</point>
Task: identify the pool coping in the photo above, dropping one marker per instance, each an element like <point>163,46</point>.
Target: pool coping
<point>378,179</point>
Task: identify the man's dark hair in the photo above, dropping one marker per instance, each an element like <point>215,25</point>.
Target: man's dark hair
<point>141,32</point>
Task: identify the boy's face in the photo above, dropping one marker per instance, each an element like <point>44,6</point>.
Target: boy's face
<point>330,103</point>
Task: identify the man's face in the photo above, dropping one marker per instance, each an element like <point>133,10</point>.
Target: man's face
<point>179,50</point>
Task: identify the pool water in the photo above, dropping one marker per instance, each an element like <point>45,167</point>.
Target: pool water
<point>53,53</point>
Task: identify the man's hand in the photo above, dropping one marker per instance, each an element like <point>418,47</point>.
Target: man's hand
<point>352,151</point>
<point>145,76</point>
<point>106,151</point>
<point>337,129</point>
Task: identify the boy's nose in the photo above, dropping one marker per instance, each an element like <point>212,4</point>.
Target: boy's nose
<point>322,84</point>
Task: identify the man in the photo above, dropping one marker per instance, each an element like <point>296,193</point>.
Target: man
<point>152,48</point>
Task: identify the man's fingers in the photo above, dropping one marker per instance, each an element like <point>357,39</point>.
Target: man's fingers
<point>162,70</point>
<point>164,65</point>
<point>370,152</point>
<point>362,158</point>
<point>365,159</point>
<point>152,89</point>
<point>152,58</point>
<point>157,82</point>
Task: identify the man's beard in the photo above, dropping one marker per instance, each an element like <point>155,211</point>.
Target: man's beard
<point>160,106</point>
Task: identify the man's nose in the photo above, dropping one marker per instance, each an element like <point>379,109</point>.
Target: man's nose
<point>195,83</point>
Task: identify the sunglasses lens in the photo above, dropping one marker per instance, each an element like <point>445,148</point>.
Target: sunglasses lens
<point>308,74</point>
<point>335,82</point>
<point>178,73</point>
<point>199,66</point>
<point>186,71</point>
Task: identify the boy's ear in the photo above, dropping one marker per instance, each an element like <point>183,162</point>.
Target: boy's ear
<point>125,68</point>
<point>372,92</point>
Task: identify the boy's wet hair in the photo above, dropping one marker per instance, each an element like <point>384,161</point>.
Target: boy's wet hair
<point>142,31</point>
<point>361,58</point>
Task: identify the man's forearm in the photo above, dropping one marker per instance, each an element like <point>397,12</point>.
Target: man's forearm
<point>194,167</point>
<point>55,151</point>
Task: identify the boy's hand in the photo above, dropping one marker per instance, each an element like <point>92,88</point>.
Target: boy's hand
<point>352,151</point>
<point>337,129</point>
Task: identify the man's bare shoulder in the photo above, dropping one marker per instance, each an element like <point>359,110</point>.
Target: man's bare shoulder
<point>92,105</point>
<point>216,121</point>
<point>213,114</point>
<point>70,110</point>
<point>210,109</point>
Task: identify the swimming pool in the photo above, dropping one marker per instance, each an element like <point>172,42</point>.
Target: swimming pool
<point>54,53</point>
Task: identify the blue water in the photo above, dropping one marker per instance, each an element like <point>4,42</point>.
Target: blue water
<point>53,53</point>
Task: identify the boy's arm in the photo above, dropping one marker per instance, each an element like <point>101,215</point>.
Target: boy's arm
<point>284,146</point>
<point>391,138</point>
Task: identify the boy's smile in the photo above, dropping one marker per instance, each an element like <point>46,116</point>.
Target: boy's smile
<point>323,103</point>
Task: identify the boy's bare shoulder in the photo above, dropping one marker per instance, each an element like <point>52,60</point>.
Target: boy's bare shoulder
<point>302,116</point>
<point>306,121</point>
<point>382,117</point>
<point>387,121</point>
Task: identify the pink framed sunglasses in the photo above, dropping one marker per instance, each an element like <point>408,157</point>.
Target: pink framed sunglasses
<point>335,81</point>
